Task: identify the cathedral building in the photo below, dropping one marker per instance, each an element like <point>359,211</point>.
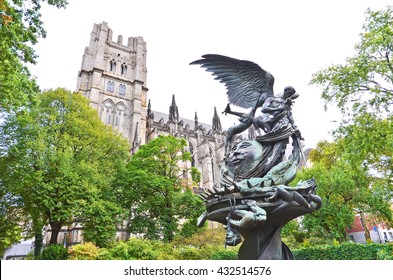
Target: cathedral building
<point>113,76</point>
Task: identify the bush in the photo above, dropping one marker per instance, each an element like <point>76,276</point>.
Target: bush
<point>188,253</point>
<point>139,249</point>
<point>223,254</point>
<point>143,249</point>
<point>54,252</point>
<point>87,251</point>
<point>204,237</point>
<point>346,251</point>
<point>385,253</point>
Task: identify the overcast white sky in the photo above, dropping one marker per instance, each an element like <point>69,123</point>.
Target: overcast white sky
<point>290,39</point>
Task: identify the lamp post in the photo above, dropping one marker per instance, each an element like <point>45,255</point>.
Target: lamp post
<point>65,240</point>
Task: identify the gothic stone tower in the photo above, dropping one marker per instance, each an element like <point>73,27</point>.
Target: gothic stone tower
<point>113,77</point>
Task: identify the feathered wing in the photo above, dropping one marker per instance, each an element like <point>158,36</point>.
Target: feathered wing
<point>244,80</point>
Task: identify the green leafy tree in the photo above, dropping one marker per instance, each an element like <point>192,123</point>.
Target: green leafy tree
<point>365,82</point>
<point>11,215</point>
<point>372,139</point>
<point>20,28</point>
<point>60,160</point>
<point>157,192</point>
<point>362,88</point>
<point>292,234</point>
<point>345,188</point>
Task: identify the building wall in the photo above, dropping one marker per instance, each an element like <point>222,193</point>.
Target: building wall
<point>113,77</point>
<point>380,232</point>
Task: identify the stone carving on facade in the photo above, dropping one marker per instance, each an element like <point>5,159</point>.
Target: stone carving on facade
<point>253,200</point>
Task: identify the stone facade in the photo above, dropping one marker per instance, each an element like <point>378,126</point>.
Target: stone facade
<point>113,76</point>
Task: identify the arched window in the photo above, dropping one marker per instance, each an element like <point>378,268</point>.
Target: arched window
<point>107,115</point>
<point>119,116</point>
<point>123,69</point>
<point>112,66</point>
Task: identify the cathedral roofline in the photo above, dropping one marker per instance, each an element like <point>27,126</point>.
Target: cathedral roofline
<point>165,116</point>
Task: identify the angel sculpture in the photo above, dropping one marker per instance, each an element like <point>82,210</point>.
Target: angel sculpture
<point>254,200</point>
<point>248,86</point>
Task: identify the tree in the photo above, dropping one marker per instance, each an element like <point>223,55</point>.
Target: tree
<point>345,187</point>
<point>362,89</point>
<point>20,28</point>
<point>365,82</point>
<point>156,190</point>
<point>11,215</point>
<point>61,160</point>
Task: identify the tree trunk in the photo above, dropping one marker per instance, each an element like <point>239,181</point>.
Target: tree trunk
<point>55,226</point>
<point>128,224</point>
<point>168,220</point>
<point>366,231</point>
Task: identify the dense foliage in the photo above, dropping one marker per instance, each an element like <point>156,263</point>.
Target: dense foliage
<point>86,251</point>
<point>54,252</point>
<point>354,172</point>
<point>346,251</point>
<point>143,249</point>
<point>158,192</point>
<point>346,189</point>
<point>59,161</point>
<point>20,28</point>
<point>365,82</point>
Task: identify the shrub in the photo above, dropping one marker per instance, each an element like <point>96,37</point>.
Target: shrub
<point>139,249</point>
<point>385,253</point>
<point>143,249</point>
<point>345,251</point>
<point>224,254</point>
<point>188,253</point>
<point>87,251</point>
<point>54,252</point>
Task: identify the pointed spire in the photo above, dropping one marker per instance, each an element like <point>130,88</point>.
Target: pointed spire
<point>196,121</point>
<point>173,100</point>
<point>148,109</point>
<point>216,122</point>
<point>173,111</point>
<point>136,141</point>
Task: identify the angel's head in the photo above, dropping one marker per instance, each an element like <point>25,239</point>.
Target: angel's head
<point>288,92</point>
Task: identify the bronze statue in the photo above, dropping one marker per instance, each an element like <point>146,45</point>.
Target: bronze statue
<point>247,83</point>
<point>254,200</point>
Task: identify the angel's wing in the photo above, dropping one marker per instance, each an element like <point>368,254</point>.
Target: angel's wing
<point>244,80</point>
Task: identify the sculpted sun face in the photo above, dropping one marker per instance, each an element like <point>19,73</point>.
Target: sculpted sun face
<point>244,157</point>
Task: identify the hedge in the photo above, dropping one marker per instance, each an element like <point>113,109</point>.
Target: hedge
<point>346,251</point>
